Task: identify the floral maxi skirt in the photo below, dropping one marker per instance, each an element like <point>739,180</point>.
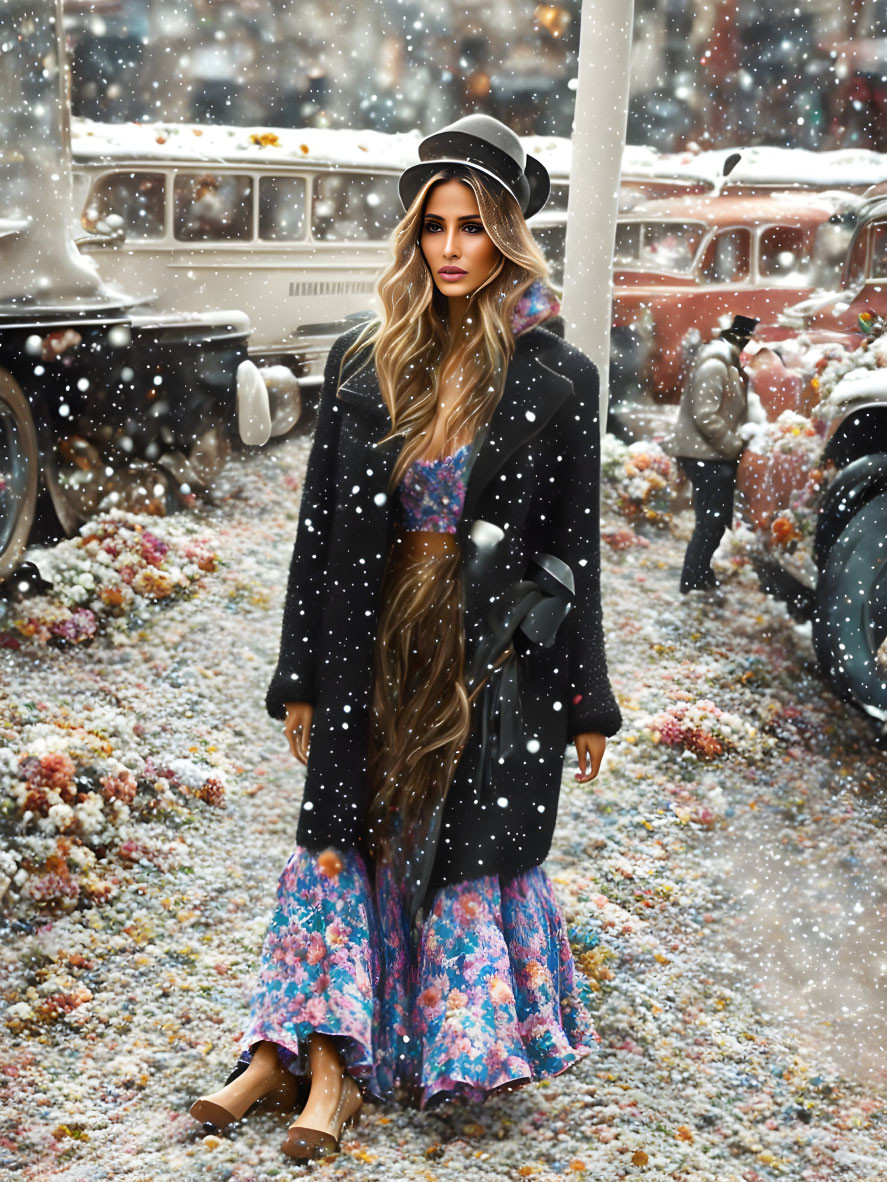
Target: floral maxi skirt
<point>482,995</point>
<point>484,998</point>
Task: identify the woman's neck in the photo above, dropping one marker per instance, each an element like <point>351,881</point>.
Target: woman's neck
<point>458,306</point>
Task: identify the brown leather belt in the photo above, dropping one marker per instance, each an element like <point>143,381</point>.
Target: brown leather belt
<point>414,545</point>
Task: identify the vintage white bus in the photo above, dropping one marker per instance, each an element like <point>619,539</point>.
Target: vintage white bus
<point>290,226</point>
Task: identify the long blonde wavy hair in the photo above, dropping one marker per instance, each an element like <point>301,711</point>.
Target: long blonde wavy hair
<point>411,338</point>
<point>420,709</point>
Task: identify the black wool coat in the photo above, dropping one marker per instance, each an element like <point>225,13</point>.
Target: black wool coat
<point>533,486</point>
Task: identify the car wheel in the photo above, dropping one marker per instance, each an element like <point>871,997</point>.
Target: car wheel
<point>850,622</point>
<point>849,491</point>
<point>19,469</point>
<point>75,477</point>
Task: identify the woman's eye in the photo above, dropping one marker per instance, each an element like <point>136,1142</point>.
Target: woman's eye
<point>474,227</point>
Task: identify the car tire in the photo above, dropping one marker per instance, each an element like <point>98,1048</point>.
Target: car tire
<point>19,473</point>
<point>852,488</point>
<point>850,621</point>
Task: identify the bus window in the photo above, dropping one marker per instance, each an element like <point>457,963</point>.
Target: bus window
<point>628,244</point>
<point>137,197</point>
<point>212,207</point>
<point>726,257</point>
<point>351,206</point>
<point>784,255</point>
<point>281,208</point>
<point>670,246</point>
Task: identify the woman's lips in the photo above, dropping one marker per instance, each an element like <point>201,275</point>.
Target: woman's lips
<point>451,273</point>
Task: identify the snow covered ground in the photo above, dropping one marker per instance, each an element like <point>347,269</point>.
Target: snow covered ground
<point>723,881</point>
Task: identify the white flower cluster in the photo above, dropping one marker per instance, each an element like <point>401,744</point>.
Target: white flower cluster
<point>841,363</point>
<point>69,787</point>
<point>637,478</point>
<point>115,562</point>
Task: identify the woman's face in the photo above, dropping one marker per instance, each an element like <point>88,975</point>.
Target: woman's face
<point>459,252</point>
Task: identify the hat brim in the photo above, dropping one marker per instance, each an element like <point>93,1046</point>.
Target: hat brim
<point>412,179</point>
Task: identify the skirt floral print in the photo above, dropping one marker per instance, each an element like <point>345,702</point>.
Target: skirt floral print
<point>482,996</point>
<point>484,999</point>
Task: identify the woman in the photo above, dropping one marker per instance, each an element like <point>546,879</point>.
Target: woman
<point>441,642</point>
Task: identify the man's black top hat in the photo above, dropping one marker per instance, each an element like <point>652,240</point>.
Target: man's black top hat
<point>742,326</point>
<point>484,144</point>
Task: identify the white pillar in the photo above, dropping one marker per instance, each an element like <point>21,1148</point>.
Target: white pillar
<point>598,142</point>
<point>41,260</point>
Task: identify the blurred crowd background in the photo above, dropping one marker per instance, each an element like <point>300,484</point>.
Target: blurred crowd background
<point>810,74</point>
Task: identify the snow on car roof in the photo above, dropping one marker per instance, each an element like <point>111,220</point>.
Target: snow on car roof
<point>745,209</point>
<point>212,143</point>
<point>844,168</point>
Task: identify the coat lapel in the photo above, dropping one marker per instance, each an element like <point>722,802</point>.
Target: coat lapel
<point>532,395</point>
<point>361,389</point>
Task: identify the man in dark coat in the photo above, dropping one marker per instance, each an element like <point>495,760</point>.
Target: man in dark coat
<point>707,445</point>
<point>533,487</point>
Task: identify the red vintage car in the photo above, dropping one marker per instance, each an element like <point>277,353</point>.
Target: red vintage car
<point>861,287</point>
<point>685,266</point>
<point>816,493</point>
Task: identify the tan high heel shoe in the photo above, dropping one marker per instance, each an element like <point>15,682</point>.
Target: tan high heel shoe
<point>221,1110</point>
<point>305,1143</point>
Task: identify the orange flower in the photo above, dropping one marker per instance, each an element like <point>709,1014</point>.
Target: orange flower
<point>535,972</point>
<point>783,531</point>
<point>455,1001</point>
<point>500,992</point>
<point>329,863</point>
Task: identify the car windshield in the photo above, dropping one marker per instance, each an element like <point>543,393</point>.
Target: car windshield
<point>658,246</point>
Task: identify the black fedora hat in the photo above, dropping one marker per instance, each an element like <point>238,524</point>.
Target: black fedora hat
<point>482,143</point>
<point>742,326</point>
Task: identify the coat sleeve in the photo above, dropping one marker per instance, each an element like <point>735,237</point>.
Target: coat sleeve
<point>592,705</point>
<point>706,403</point>
<point>294,678</point>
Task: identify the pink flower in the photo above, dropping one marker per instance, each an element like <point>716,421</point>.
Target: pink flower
<point>496,1056</point>
<point>467,907</point>
<point>315,1011</point>
<point>316,948</point>
<point>80,625</point>
<point>153,548</point>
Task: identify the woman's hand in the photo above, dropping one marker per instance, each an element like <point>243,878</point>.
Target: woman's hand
<point>297,728</point>
<point>590,749</point>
